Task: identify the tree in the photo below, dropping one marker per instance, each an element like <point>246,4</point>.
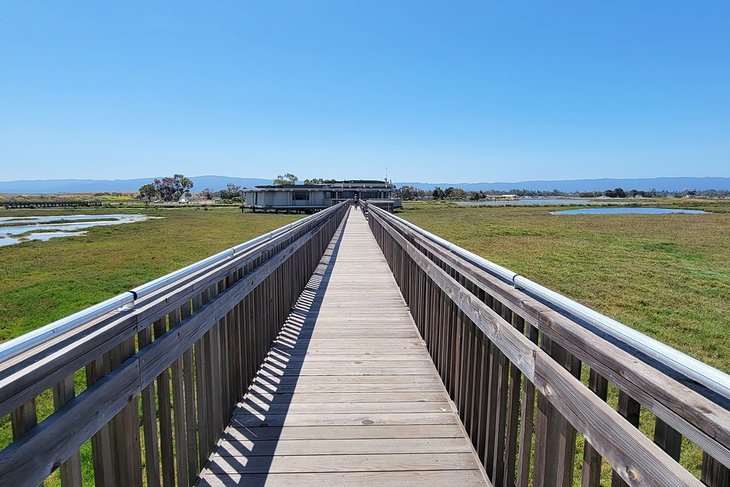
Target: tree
<point>206,194</point>
<point>172,188</point>
<point>411,193</point>
<point>148,192</point>
<point>318,181</point>
<point>287,178</point>
<point>438,193</point>
<point>615,193</point>
<point>455,193</point>
<point>232,191</point>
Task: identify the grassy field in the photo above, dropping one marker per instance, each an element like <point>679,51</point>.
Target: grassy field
<point>44,281</point>
<point>665,275</point>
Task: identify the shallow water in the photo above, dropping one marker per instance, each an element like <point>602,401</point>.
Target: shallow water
<point>27,227</point>
<point>525,201</point>
<point>624,211</point>
<point>52,218</point>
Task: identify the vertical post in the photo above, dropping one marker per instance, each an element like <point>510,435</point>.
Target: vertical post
<point>591,476</point>
<point>629,409</point>
<point>70,472</point>
<point>149,421</point>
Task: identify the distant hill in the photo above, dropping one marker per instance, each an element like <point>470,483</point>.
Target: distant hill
<point>34,186</point>
<point>573,185</point>
<point>215,183</point>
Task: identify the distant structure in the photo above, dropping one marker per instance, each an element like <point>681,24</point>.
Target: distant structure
<point>309,198</point>
<point>10,205</point>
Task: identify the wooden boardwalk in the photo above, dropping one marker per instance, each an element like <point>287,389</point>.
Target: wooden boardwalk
<point>348,394</point>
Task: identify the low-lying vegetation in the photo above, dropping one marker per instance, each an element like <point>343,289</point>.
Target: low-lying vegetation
<point>44,281</point>
<point>666,275</point>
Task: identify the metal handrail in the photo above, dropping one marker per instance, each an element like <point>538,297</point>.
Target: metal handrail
<point>700,372</point>
<point>16,346</point>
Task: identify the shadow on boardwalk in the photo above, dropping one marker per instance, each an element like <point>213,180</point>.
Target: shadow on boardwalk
<point>247,450</point>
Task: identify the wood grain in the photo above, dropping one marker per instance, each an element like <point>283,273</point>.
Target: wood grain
<point>347,388</point>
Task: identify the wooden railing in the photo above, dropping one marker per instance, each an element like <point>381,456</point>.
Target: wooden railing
<point>532,386</point>
<point>152,387</point>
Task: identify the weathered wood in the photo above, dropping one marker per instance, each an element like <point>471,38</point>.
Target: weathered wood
<point>253,406</point>
<point>547,431</point>
<point>353,446</point>
<point>513,412</point>
<point>348,370</point>
<point>629,409</point>
<point>237,433</point>
<point>101,441</point>
<point>47,368</point>
<point>714,473</point>
<point>637,459</point>
<point>462,478</point>
<point>191,424</point>
<point>165,412</point>
<point>200,395</point>
<point>527,423</point>
<point>33,457</point>
<point>692,415</point>
<point>566,444</point>
<point>345,391</point>
<point>178,408</point>
<point>162,352</point>
<point>32,372</point>
<point>502,371</point>
<point>591,476</point>
<point>149,421</point>
<point>23,419</point>
<point>668,439</point>
<point>125,425</point>
<point>70,471</point>
<point>106,347</point>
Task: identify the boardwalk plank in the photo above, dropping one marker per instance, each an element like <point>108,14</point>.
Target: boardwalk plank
<point>462,478</point>
<point>348,393</point>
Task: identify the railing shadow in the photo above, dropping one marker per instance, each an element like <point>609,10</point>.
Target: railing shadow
<point>244,453</point>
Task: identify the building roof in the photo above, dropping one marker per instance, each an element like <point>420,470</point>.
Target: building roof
<point>348,183</point>
<point>292,186</point>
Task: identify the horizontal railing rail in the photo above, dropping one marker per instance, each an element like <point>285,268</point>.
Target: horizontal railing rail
<point>696,370</point>
<point>532,385</point>
<point>149,387</point>
<point>16,346</point>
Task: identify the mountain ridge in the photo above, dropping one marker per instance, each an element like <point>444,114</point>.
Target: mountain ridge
<point>214,183</point>
<point>598,184</point>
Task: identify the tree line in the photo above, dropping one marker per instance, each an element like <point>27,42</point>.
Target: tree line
<point>289,178</point>
<point>173,188</point>
<point>453,193</point>
<point>166,189</point>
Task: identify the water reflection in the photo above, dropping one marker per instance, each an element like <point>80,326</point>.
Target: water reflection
<point>623,211</point>
<point>526,201</point>
<point>14,230</point>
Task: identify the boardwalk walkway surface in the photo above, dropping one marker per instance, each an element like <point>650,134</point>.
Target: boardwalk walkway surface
<point>348,394</point>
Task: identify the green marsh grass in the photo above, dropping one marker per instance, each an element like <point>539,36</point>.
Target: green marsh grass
<point>667,276</point>
<point>43,281</point>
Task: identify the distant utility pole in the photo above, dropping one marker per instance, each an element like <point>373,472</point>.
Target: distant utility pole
<point>386,173</point>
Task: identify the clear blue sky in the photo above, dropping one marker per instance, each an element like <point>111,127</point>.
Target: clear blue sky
<point>435,91</point>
